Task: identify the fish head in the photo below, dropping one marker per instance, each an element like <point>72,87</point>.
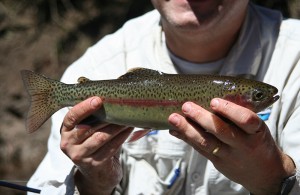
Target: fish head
<point>262,98</point>
<point>253,95</point>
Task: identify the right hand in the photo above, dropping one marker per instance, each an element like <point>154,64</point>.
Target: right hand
<point>93,149</point>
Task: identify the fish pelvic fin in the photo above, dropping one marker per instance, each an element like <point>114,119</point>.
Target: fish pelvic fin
<point>136,135</point>
<point>42,101</point>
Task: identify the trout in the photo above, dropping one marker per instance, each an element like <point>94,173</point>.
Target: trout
<point>142,97</point>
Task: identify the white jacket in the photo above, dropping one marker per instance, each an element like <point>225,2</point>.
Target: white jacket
<point>160,163</point>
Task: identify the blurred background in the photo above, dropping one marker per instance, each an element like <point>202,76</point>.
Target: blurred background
<point>46,36</point>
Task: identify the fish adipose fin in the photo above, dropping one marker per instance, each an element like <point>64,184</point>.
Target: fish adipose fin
<point>42,103</point>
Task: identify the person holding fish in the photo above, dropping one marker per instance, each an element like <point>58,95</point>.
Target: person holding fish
<point>217,145</point>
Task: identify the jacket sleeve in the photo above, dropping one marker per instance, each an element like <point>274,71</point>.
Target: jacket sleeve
<point>284,73</point>
<point>290,121</point>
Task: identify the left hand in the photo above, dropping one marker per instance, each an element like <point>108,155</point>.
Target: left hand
<point>237,142</point>
<point>93,148</point>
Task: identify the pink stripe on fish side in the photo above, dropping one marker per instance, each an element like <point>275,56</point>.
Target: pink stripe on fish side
<point>143,103</point>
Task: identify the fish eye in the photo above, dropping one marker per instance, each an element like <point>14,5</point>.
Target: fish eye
<point>258,95</point>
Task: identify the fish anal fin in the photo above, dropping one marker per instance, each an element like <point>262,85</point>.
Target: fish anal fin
<point>140,72</point>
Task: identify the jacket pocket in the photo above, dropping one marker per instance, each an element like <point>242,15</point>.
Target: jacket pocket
<point>144,179</point>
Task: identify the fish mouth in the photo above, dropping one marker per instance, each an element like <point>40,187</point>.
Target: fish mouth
<point>271,100</point>
<point>275,98</point>
<point>266,104</point>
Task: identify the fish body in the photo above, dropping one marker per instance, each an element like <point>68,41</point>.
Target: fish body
<point>142,97</point>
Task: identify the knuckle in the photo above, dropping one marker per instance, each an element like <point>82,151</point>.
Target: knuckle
<point>76,158</point>
<point>208,146</point>
<point>70,120</point>
<point>100,138</point>
<point>64,146</point>
<point>247,118</point>
<point>204,145</point>
<point>72,117</point>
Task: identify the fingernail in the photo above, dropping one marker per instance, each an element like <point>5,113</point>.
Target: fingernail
<point>95,102</point>
<point>214,103</point>
<point>174,119</point>
<point>186,108</point>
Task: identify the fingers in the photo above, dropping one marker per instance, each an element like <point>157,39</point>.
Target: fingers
<point>245,119</point>
<point>104,137</point>
<point>213,124</point>
<point>113,147</point>
<point>204,142</point>
<point>211,133</point>
<point>75,115</point>
<point>229,137</point>
<point>81,132</point>
<point>81,141</point>
<point>80,112</point>
<point>93,147</point>
<point>93,141</point>
<point>101,145</point>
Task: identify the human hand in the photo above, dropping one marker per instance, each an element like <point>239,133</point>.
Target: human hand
<point>93,149</point>
<point>237,142</point>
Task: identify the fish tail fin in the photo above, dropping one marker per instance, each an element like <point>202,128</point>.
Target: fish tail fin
<point>42,102</point>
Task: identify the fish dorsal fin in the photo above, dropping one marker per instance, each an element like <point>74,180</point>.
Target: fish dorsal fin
<point>140,72</point>
<point>81,80</point>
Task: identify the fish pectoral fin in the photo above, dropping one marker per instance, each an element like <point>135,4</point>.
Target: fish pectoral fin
<point>140,72</point>
<point>81,80</point>
<point>138,135</point>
